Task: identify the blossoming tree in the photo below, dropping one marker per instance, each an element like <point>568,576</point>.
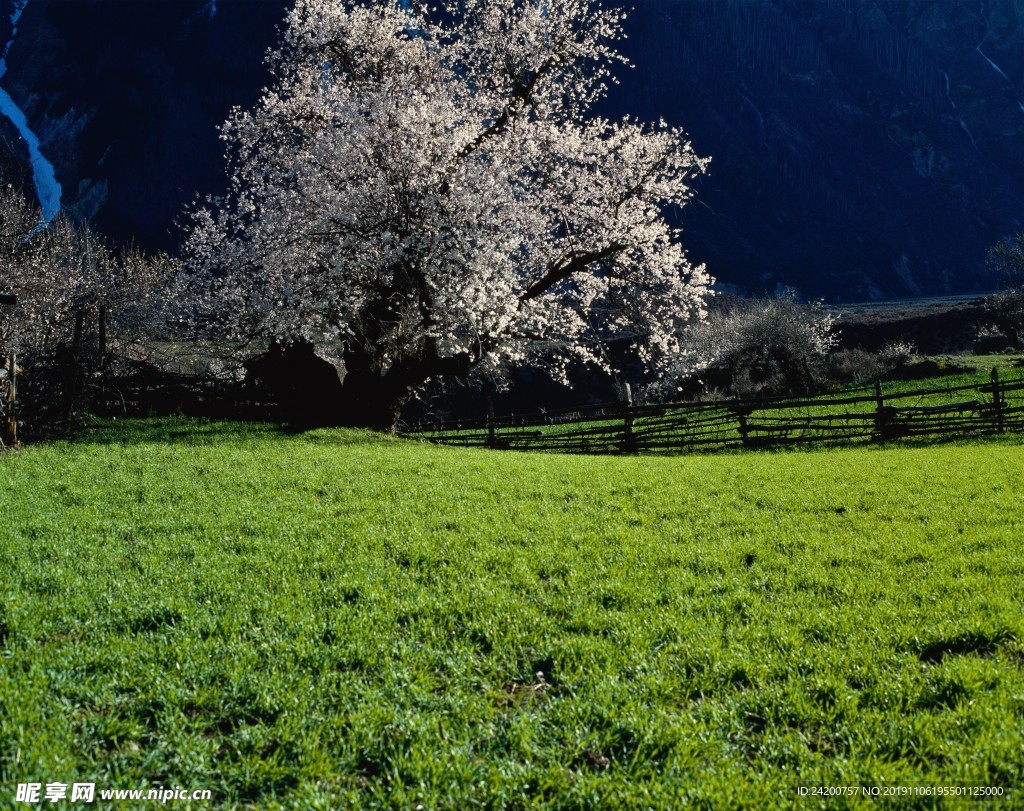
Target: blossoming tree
<point>424,192</point>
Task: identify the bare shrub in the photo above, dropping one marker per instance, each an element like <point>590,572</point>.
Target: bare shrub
<point>854,366</point>
<point>861,366</point>
<point>80,308</point>
<point>1006,308</point>
<point>763,346</point>
<point>896,354</point>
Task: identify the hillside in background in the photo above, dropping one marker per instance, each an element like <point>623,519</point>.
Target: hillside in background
<point>861,148</point>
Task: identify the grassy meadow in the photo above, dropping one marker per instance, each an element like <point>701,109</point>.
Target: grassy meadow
<point>331,619</point>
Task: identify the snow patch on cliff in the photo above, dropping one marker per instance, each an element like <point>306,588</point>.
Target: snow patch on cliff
<point>998,69</point>
<point>19,7</point>
<point>760,120</point>
<point>207,11</point>
<point>965,128</point>
<point>949,95</point>
<point>44,177</point>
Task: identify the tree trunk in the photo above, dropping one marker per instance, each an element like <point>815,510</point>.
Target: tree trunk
<point>312,392</point>
<point>1013,338</point>
<point>371,401</point>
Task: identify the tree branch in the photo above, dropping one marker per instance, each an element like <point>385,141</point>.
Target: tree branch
<point>576,263</point>
<point>522,95</point>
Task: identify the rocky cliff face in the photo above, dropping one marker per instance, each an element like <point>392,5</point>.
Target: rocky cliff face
<point>861,148</point>
<point>126,96</point>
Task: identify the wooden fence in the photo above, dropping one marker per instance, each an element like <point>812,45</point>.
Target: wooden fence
<point>861,415</point>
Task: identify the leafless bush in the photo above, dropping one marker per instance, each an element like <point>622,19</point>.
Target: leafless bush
<point>43,267</point>
<point>1006,308</point>
<point>763,346</point>
<point>80,309</point>
<point>854,366</point>
<point>860,366</point>
<point>897,353</point>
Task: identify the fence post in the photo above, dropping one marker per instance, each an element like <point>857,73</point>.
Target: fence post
<point>883,415</point>
<point>103,332</point>
<point>997,399</point>
<point>72,370</point>
<point>741,414</point>
<point>628,438</point>
<point>490,421</point>
<point>10,437</point>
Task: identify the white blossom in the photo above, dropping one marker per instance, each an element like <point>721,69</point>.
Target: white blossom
<point>426,190</point>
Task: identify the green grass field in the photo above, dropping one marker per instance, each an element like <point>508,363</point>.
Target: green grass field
<point>332,620</point>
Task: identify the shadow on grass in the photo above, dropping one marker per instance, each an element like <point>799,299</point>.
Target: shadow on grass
<point>971,642</point>
<point>808,447</point>
<point>206,432</point>
<point>191,431</point>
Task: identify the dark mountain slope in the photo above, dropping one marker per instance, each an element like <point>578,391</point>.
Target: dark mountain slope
<point>127,95</point>
<point>861,148</point>
<point>840,163</point>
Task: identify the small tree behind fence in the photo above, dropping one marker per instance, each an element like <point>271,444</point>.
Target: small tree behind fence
<point>76,314</point>
<point>861,415</point>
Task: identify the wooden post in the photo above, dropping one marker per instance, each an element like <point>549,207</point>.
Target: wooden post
<point>76,342</point>
<point>10,437</point>
<point>882,414</point>
<point>997,399</point>
<point>490,421</point>
<point>72,370</point>
<point>741,414</point>
<point>628,437</point>
<point>103,331</point>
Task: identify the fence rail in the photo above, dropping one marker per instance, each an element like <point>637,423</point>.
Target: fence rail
<point>863,415</point>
